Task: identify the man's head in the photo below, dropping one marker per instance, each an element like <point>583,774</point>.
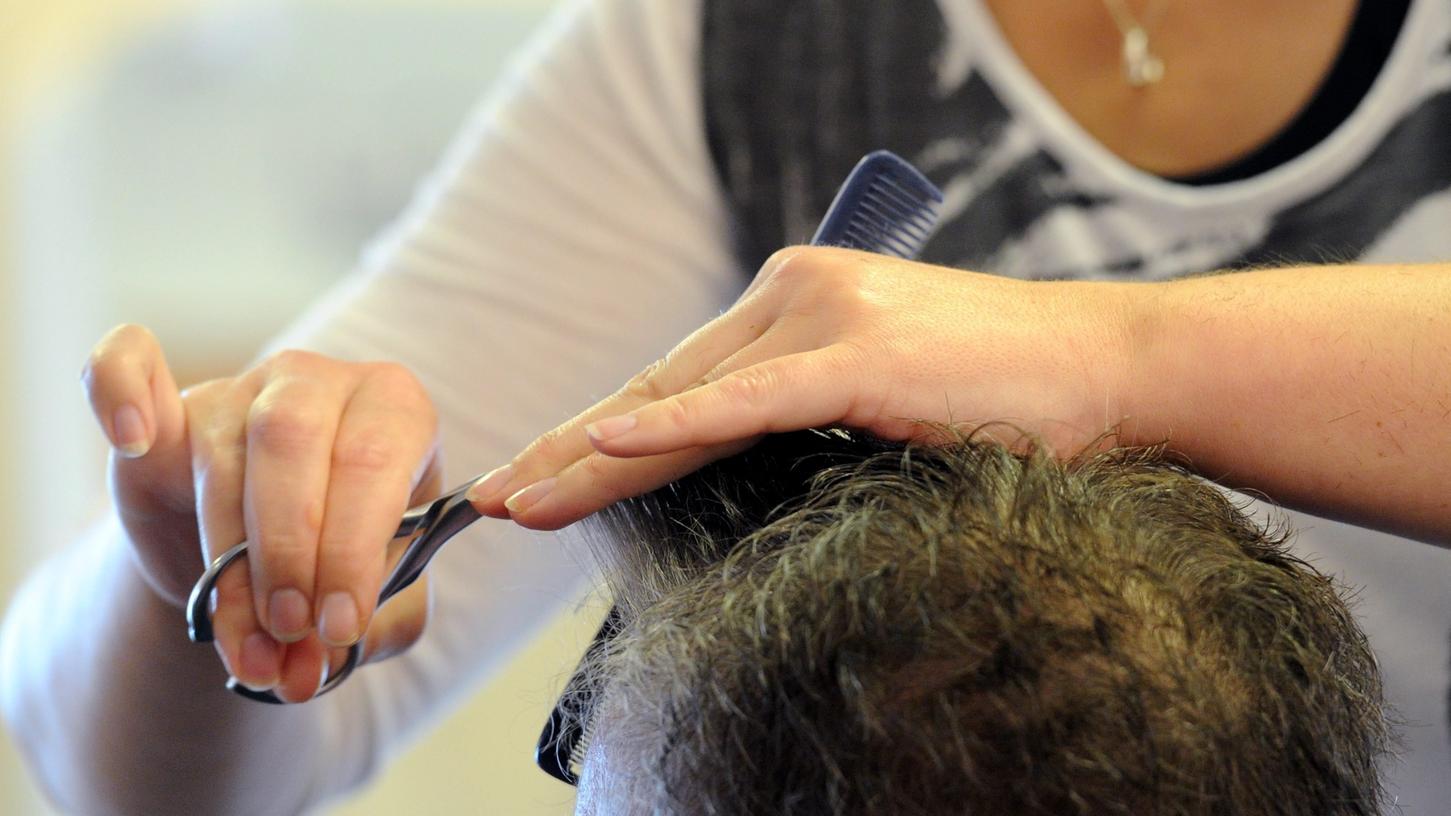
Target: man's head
<point>830,625</point>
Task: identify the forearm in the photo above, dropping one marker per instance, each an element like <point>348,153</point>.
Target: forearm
<point>119,713</point>
<point>1325,388</point>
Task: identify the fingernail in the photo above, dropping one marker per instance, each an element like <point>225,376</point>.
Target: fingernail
<point>530,496</point>
<point>288,615</point>
<point>612,427</point>
<point>130,431</point>
<point>259,659</point>
<point>490,484</point>
<point>338,625</point>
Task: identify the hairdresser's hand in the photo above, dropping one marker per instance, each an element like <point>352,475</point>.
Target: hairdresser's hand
<point>311,460</point>
<point>836,337</point>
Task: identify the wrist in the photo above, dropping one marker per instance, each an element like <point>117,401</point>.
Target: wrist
<point>1141,366</point>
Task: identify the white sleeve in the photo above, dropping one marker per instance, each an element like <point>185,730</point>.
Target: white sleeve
<point>574,233</point>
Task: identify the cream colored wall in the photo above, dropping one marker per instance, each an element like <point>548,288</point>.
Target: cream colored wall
<point>479,760</point>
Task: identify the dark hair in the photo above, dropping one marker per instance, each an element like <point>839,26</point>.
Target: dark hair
<point>827,624</point>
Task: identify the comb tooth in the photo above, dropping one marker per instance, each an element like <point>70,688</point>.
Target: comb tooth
<point>870,207</point>
<point>924,212</point>
<point>900,197</point>
<point>912,228</point>
<point>852,240</point>
<point>922,228</point>
<point>930,212</point>
<point>926,219</point>
<point>878,208</point>
<point>911,188</point>
<point>906,188</point>
<point>893,223</point>
<point>887,204</point>
<point>886,223</point>
<point>882,223</point>
<point>864,235</point>
<point>891,202</point>
<point>878,246</point>
<point>872,239</point>
<point>873,236</point>
<point>886,192</point>
<point>889,190</point>
<point>917,188</point>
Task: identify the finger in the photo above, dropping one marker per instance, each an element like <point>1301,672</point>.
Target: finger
<point>776,343</point>
<point>216,416</point>
<point>385,439</point>
<point>793,392</point>
<point>683,367</point>
<point>290,431</point>
<point>395,628</point>
<point>251,655</point>
<point>597,481</point>
<point>303,669</point>
<point>399,623</point>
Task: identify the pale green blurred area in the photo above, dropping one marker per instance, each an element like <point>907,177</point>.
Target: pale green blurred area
<point>207,168</point>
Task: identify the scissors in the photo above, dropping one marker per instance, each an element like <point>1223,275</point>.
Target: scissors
<point>434,524</point>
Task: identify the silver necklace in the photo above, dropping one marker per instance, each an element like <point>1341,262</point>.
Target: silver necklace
<point>1141,66</point>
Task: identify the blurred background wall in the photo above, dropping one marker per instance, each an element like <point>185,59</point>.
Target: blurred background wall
<point>206,167</point>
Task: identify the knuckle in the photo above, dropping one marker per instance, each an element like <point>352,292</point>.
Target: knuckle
<point>746,388</point>
<point>404,389</point>
<point>677,414</point>
<point>284,428</point>
<point>794,263</point>
<point>132,334</point>
<point>294,360</point>
<point>649,384</point>
<point>219,469</point>
<point>549,443</point>
<point>370,450</point>
<point>850,356</point>
<point>396,377</point>
<point>283,548</point>
<point>202,393</point>
<point>596,468</point>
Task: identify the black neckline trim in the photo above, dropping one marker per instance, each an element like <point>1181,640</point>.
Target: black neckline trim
<point>1368,44</point>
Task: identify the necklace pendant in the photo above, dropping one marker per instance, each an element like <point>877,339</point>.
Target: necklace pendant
<point>1141,68</point>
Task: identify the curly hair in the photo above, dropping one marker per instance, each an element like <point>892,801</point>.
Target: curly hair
<point>828,624</point>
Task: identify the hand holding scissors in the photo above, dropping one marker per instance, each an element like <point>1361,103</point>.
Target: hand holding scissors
<point>430,525</point>
<point>311,460</point>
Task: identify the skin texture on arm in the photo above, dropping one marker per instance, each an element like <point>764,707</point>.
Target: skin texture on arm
<point>1323,387</point>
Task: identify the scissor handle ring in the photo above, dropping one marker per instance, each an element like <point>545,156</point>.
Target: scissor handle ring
<point>199,629</point>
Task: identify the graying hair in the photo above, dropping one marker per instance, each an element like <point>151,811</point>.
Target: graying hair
<point>828,624</point>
